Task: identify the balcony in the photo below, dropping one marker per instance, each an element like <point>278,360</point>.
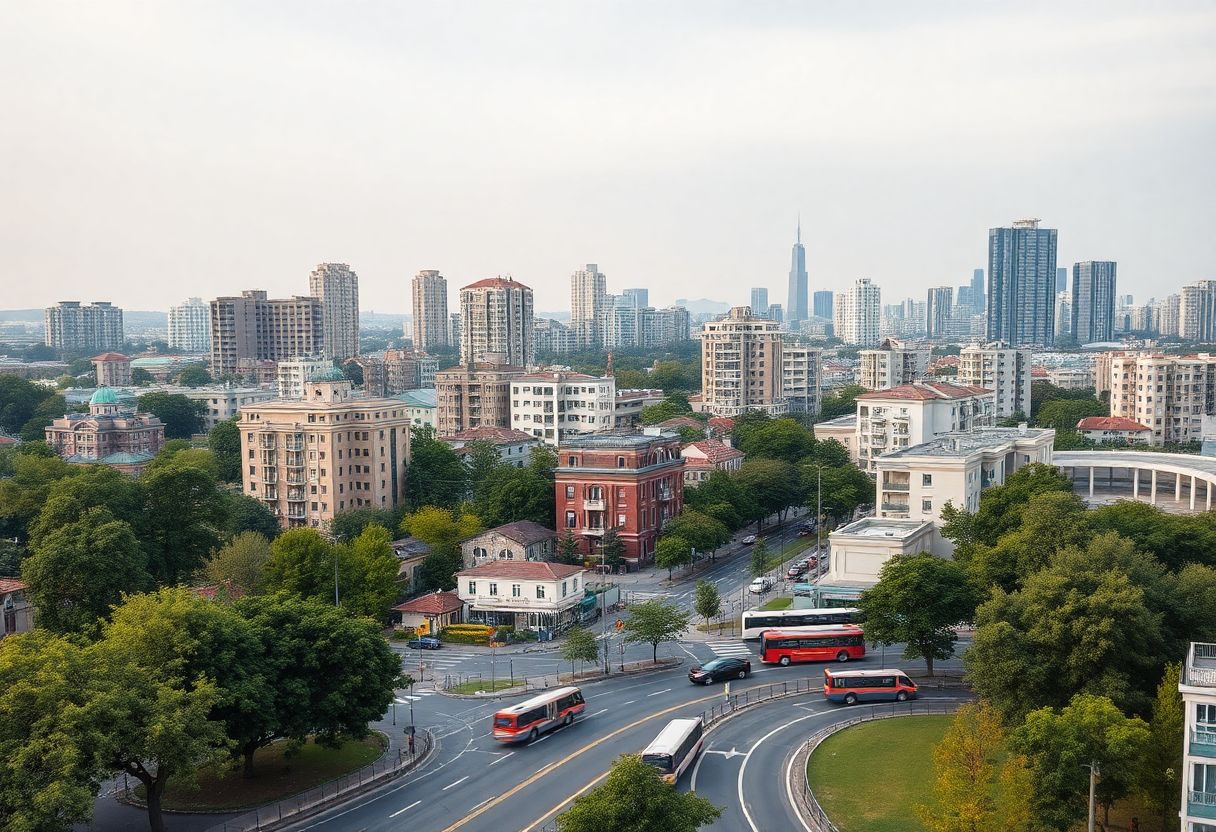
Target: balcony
<point>295,495</point>
<point>267,442</point>
<point>294,477</point>
<point>1203,742</point>
<point>297,513</point>
<point>269,458</point>
<point>1201,804</point>
<point>592,531</point>
<point>896,486</point>
<point>270,476</point>
<point>595,505</point>
<point>296,443</point>
<point>895,507</point>
<point>295,460</point>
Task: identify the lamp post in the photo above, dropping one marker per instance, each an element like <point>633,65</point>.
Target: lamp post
<point>604,607</point>
<point>1095,772</point>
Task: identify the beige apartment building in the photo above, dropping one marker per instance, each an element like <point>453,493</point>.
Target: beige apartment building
<point>588,301</point>
<point>496,322</point>
<point>251,328</point>
<point>1002,369</point>
<point>337,287</point>
<point>471,397</point>
<point>310,460</point>
<point>742,365</point>
<point>1169,394</point>
<point>892,364</point>
<point>895,419</point>
<point>430,310</point>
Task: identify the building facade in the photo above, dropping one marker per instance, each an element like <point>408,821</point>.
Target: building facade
<point>555,405</point>
<point>1197,311</point>
<point>108,435</point>
<point>759,302</point>
<point>939,309</point>
<point>1197,685</point>
<point>824,304</point>
<point>113,369</point>
<point>1169,394</point>
<point>16,611</point>
<point>337,288</point>
<point>703,457</point>
<point>857,313</point>
<point>471,397</point>
<point>1093,301</point>
<point>526,596</point>
<point>892,364</point>
<point>190,326</point>
<point>514,447</point>
<point>521,541</point>
<point>912,414</point>
<point>800,378</point>
<point>293,373</point>
<point>496,322</point>
<point>553,337</point>
<point>430,290</point>
<point>588,301</point>
<point>1003,369</point>
<point>94,326</point>
<point>742,365</point>
<point>627,411</point>
<point>253,328</point>
<point>1022,284</point>
<point>420,407</point>
<point>1114,429</point>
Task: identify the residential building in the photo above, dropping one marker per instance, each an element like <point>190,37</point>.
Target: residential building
<point>293,373</point>
<point>795,308</point>
<point>627,411</point>
<point>337,287</point>
<point>553,337</point>
<point>776,312</point>
<point>526,596</point>
<point>407,370</point>
<point>1071,378</point>
<point>514,446</point>
<point>844,430</point>
<point>555,405</point>
<point>496,322</point>
<point>893,363</point>
<point>308,461</point>
<point>1022,284</point>
<point>671,326</point>
<point>430,613</point>
<point>250,330</point>
<point>800,373</point>
<point>471,397</point>
<point>1093,301</point>
<point>759,302</point>
<point>1115,429</point>
<point>1197,312</point>
<point>588,301</point>
<point>911,414</point>
<point>520,541</point>
<point>454,329</point>
<point>1197,684</point>
<point>639,297</point>
<point>705,456</point>
<point>257,371</point>
<point>1167,315</point>
<point>633,482</point>
<point>939,309</point>
<point>824,304</point>
<point>858,551</point>
<point>107,435</point>
<point>742,365</point>
<point>1102,371</point>
<point>70,326</point>
<point>1001,368</point>
<point>420,406</point>
<point>190,326</point>
<point>430,291</point>
<point>16,611</point>
<point>856,313</point>
<point>113,369</point>
<point>1168,393</point>
<point>619,325</point>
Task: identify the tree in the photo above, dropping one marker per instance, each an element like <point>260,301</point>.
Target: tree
<point>25,492</point>
<point>436,476</point>
<point>760,558</point>
<point>182,417</point>
<point>304,563</point>
<point>442,530</point>
<point>844,489</point>
<point>182,514</point>
<point>568,551</point>
<point>47,411</point>
<point>1051,521</point>
<point>243,513</point>
<point>964,767</point>
<point>224,440</point>
<point>19,399</point>
<point>701,531</point>
<point>11,556</point>
<point>510,494</point>
<point>195,375</point>
<point>580,646</point>
<point>774,483</point>
<point>141,377</point>
<point>841,403</point>
<point>612,548</point>
<point>707,603</point>
<point>348,525</point>
<point>1161,768</point>
<point>1001,507</point>
<point>782,439</point>
<point>481,459</point>
<point>179,453</point>
<point>918,600</point>
<point>372,568</point>
<point>1175,539</point>
<point>241,562</point>
<point>1064,414</point>
<point>672,551</point>
<point>725,498</point>
<point>654,622</point>
<point>634,798</point>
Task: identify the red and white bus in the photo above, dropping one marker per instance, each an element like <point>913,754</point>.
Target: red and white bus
<point>812,644</point>
<point>853,686</point>
<point>533,717</point>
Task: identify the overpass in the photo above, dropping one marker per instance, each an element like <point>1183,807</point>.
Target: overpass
<point>1174,482</point>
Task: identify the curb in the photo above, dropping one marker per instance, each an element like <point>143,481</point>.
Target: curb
<point>677,662</point>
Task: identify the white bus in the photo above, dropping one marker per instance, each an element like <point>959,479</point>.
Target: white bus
<point>756,622</point>
<point>675,748</point>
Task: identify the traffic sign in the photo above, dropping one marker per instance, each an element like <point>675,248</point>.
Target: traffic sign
<point>620,625</point>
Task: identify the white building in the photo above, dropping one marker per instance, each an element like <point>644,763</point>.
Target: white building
<point>1197,311</point>
<point>800,373</point>
<point>1168,393</point>
<point>893,363</point>
<point>858,551</point>
<point>514,446</point>
<point>293,373</point>
<point>190,326</point>
<point>528,595</point>
<point>1115,429</point>
<point>420,406</point>
<point>588,300</point>
<point>553,337</point>
<point>221,402</point>
<point>1071,378</point>
<point>856,313</point>
<point>94,326</point>
<point>911,414</point>
<point>1198,688</point>
<point>337,287</point>
<point>1002,369</point>
<point>627,412</point>
<point>556,405</point>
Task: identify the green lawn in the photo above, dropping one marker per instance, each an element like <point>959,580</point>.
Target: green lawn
<point>777,604</point>
<point>869,778</point>
<point>484,684</point>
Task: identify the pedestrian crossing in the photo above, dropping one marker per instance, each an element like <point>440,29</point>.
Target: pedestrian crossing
<point>436,659</point>
<point>734,647</point>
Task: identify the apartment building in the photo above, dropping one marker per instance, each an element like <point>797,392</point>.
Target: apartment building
<point>1197,311</point>
<point>893,363</point>
<point>293,373</point>
<point>337,287</point>
<point>553,337</point>
<point>430,290</point>
<point>470,397</point>
<point>555,405</point>
<point>800,374</point>
<point>1003,369</point>
<point>252,328</point>
<point>1169,394</point>
<point>113,369</point>
<point>742,365</point>
<point>633,482</point>
<point>588,301</point>
<point>1198,688</point>
<point>496,322</point>
<point>95,326</point>
<point>308,461</point>
<point>190,326</point>
<point>420,406</point>
<point>911,414</point>
<point>857,312</point>
<point>627,412</point>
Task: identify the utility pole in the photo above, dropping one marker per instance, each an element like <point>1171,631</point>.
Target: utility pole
<point>603,608</point>
<point>1094,773</point>
<point>818,521</point>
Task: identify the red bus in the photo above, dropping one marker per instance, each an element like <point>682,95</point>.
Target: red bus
<point>853,686</point>
<point>813,644</point>
<point>533,717</point>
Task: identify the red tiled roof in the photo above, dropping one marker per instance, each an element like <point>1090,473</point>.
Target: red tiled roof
<point>715,451</point>
<point>723,422</point>
<point>212,591</point>
<point>1038,372</point>
<point>437,603</point>
<point>531,570</point>
<point>491,433</point>
<point>110,356</point>
<point>680,422</point>
<point>8,440</point>
<point>496,283</point>
<point>925,390</point>
<point>8,585</point>
<point>1110,423</point>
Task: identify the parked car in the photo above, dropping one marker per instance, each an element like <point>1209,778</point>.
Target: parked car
<point>806,531</point>
<point>761,585</point>
<point>749,540</point>
<point>719,670</point>
<point>424,643</point>
<point>797,570</point>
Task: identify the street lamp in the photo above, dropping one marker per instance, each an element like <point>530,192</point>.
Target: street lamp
<point>603,609</point>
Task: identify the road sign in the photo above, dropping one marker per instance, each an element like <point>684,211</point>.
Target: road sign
<point>620,625</point>
<point>409,730</point>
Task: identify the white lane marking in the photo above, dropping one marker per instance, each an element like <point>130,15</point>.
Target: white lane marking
<point>657,692</point>
<point>542,739</point>
<point>597,713</point>
<point>457,783</point>
<point>482,803</point>
<point>406,809</point>
<point>743,768</point>
<point>503,757</point>
<point>789,791</point>
<point>406,700</point>
<point>630,702</point>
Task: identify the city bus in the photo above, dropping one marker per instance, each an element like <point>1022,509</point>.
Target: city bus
<point>756,622</point>
<point>533,717</point>
<point>853,686</point>
<point>675,748</point>
<point>813,644</point>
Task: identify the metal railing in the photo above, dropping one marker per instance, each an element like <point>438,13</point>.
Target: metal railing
<point>1201,798</point>
<point>756,695</point>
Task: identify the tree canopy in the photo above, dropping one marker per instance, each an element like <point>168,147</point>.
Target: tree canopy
<point>183,417</point>
<point>634,798</point>
<point>654,622</point>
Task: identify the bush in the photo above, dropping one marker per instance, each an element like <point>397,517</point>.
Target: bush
<point>525,635</point>
<point>478,629</point>
<point>449,634</point>
<point>402,634</point>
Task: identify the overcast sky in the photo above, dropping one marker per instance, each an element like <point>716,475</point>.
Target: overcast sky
<point>157,150</point>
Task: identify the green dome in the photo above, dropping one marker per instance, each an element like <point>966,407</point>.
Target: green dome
<point>332,374</point>
<point>104,395</point>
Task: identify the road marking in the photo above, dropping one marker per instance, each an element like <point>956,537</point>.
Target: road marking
<point>657,692</point>
<point>407,700</point>
<point>597,713</point>
<point>542,739</point>
<point>630,702</point>
<point>789,791</point>
<point>406,809</point>
<point>743,768</point>
<point>503,757</point>
<point>457,783</point>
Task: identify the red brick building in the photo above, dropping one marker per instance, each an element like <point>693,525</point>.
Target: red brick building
<point>631,481</point>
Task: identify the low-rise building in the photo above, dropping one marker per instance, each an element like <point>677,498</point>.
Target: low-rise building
<point>411,553</point>
<point>1115,429</point>
<point>843,429</point>
<point>627,412</point>
<point>1071,378</point>
<point>107,435</point>
<point>293,373</point>
<point>858,551</point>
<point>555,405</point>
<point>430,613</point>
<point>113,369</point>
<point>910,414</point>
<point>1197,685</point>
<point>524,595</point>
<point>522,540</point>
<point>16,611</point>
<point>420,406</point>
<point>706,456</point>
<point>514,446</point>
<point>894,363</point>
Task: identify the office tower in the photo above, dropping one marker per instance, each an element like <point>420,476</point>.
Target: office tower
<point>94,326</point>
<point>938,310</point>
<point>638,297</point>
<point>892,364</point>
<point>795,309</point>
<point>856,313</point>
<point>1061,278</point>
<point>1093,301</point>
<point>999,368</point>
<point>337,287</point>
<point>1064,315</point>
<point>454,329</point>
<point>760,302</point>
<point>1021,284</point>
<point>800,378</point>
<point>977,291</point>
<point>742,365</point>
<point>1184,388</point>
<point>775,313</point>
<point>190,326</point>
<point>1166,315</point>
<point>496,322</point>
<point>430,290</point>
<point>1197,311</point>
<point>249,329</point>
<point>823,304</point>
<point>588,300</point>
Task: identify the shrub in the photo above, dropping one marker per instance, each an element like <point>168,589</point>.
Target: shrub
<point>448,634</point>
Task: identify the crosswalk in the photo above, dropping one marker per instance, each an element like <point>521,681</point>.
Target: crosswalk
<point>438,660</point>
<point>734,647</point>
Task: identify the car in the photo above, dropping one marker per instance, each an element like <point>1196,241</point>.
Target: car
<point>797,570</point>
<point>761,585</point>
<point>720,670</point>
<point>806,531</point>
<point>749,540</point>
<point>424,643</point>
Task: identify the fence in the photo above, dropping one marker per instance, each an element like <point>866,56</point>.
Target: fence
<point>471,683</point>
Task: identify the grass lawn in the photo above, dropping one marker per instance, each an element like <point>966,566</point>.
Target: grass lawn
<point>222,786</point>
<point>869,778</point>
<point>777,604</point>
<point>484,684</point>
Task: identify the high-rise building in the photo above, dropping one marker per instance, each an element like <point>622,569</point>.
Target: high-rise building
<point>471,397</point>
<point>1063,315</point>
<point>555,406</point>
<point>1183,391</point>
<point>760,302</point>
<point>1166,315</point>
<point>977,291</point>
<point>190,326</point>
<point>1197,312</point>
<point>800,378</point>
<point>1093,301</point>
<point>251,328</point>
<point>776,312</point>
<point>742,365</point>
<point>938,310</point>
<point>552,337</point>
<point>823,304</point>
<point>892,364</point>
<point>795,308</point>
<point>856,313</point>
<point>638,297</point>
<point>1021,284</point>
<point>1061,278</point>
<point>453,329</point>
<point>588,301</point>
<point>430,290</point>
<point>337,287</point>
<point>1197,686</point>
<point>94,326</point>
<point>1002,369</point>
<point>496,322</point>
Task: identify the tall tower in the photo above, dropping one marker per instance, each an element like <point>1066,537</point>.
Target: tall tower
<point>588,301</point>
<point>1093,301</point>
<point>977,291</point>
<point>1022,284</point>
<point>856,313</point>
<point>496,324</point>
<point>795,309</point>
<point>938,308</point>
<point>760,302</point>
<point>430,310</point>
<point>337,287</point>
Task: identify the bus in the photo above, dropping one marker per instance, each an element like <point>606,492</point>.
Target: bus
<point>853,686</point>
<point>813,644</point>
<point>675,748</point>
<point>756,622</point>
<point>533,717</point>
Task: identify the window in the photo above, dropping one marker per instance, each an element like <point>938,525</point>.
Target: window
<point>493,588</point>
<point>570,461</point>
<point>564,588</point>
<point>926,480</point>
<point>516,590</point>
<point>570,520</point>
<point>569,492</point>
<point>926,505</point>
<point>540,593</point>
<point>620,462</point>
<point>1205,715</point>
<point>576,584</point>
<point>472,587</point>
<point>1204,778</point>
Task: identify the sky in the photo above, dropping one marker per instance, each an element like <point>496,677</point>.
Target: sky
<point>156,151</point>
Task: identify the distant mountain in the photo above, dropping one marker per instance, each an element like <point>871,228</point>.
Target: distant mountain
<point>703,306</point>
<point>28,315</point>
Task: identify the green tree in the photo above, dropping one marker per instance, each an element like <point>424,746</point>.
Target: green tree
<point>965,766</point>
<point>19,399</point>
<point>11,556</point>
<point>653,622</point>
<point>1063,414</point>
<point>348,525</point>
<point>774,483</point>
<point>701,531</point>
<point>47,411</point>
<point>761,558</point>
<point>1175,539</point>
<point>372,574</point>
<point>1161,767</point>
<point>782,439</point>
<point>723,497</point>
<point>26,491</point>
<point>442,530</point>
<point>634,798</point>
<point>182,417</point>
<point>141,377</point>
<point>179,453</point>
<point>510,494</point>
<point>672,551</point>
<point>580,646</point>
<point>1002,506</point>
<point>1051,521</point>
<point>224,440</point>
<point>568,551</point>
<point>182,513</point>
<point>612,548</point>
<point>844,489</point>
<point>918,600</point>
<point>707,603</point>
<point>481,459</point>
<point>841,403</point>
<point>436,476</point>
<point>195,375</point>
<point>241,561</point>
<point>243,513</point>
<point>302,562</point>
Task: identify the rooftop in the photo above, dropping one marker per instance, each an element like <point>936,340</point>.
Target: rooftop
<point>425,397</point>
<point>1110,423</point>
<point>640,394</point>
<point>8,585</point>
<point>561,376</point>
<point>883,527</point>
<point>110,356</point>
<point>437,603</point>
<point>490,433</point>
<point>924,391</point>
<point>714,450</point>
<point>522,570</point>
<point>523,532</point>
<point>410,547</point>
<point>963,444</point>
<point>847,421</point>
<point>496,283</point>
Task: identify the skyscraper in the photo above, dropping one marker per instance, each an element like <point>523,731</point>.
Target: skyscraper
<point>1197,311</point>
<point>94,326</point>
<point>588,301</point>
<point>741,365</point>
<point>795,308</point>
<point>823,304</point>
<point>1093,301</point>
<point>430,290</point>
<point>977,291</point>
<point>856,315</point>
<point>938,310</point>
<point>638,297</point>
<point>760,302</point>
<point>337,287</point>
<point>1021,284</point>
<point>1061,278</point>
<point>190,326</point>
<point>496,323</point>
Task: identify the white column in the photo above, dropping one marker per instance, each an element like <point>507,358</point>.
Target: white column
<point>1177,486</point>
<point>1192,492</point>
<point>1153,489</point>
<point>1135,483</point>
<point>1209,491</point>
<point>1091,482</point>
